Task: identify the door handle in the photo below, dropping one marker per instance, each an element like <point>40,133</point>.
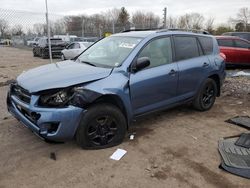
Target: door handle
<point>172,72</point>
<point>205,64</point>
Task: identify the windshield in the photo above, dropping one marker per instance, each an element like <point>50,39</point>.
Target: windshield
<point>109,52</point>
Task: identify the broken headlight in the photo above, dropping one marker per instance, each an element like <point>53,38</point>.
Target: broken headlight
<point>58,99</point>
<point>76,96</point>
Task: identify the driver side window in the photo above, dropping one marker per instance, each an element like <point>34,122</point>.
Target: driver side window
<point>159,52</point>
<point>71,46</point>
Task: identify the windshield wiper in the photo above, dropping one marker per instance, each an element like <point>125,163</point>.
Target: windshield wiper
<point>88,63</point>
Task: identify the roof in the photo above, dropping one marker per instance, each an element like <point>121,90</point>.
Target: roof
<point>144,34</point>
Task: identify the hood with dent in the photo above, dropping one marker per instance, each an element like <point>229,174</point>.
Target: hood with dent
<point>60,75</point>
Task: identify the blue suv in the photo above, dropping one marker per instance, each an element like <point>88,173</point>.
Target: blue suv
<point>95,97</point>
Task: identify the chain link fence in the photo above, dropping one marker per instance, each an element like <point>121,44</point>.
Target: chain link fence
<point>23,29</point>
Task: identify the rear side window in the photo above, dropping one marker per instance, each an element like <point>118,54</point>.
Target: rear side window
<point>225,42</point>
<point>207,45</point>
<point>242,44</point>
<point>185,47</point>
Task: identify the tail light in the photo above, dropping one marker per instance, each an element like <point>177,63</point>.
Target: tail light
<point>223,56</point>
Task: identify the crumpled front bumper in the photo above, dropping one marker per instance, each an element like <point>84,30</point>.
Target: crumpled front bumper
<point>56,124</point>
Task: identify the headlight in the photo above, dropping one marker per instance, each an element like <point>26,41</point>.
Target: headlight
<point>58,99</point>
<point>76,96</point>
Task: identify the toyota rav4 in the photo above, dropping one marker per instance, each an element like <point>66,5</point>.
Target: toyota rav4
<point>95,97</point>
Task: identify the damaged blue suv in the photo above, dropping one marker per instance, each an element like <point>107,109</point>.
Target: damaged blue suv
<point>95,97</point>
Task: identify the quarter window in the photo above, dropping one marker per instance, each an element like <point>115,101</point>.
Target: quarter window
<point>158,51</point>
<point>186,47</point>
<point>207,45</point>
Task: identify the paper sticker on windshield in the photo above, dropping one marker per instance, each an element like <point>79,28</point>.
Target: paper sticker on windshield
<point>126,45</point>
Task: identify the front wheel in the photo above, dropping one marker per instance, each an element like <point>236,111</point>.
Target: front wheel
<point>206,96</point>
<point>102,126</point>
<point>62,57</point>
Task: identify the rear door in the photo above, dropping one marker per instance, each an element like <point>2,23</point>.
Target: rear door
<point>242,48</point>
<point>155,86</point>
<point>67,52</point>
<point>193,65</point>
<point>228,48</point>
<point>75,51</point>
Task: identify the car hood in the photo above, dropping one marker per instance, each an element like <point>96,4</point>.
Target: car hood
<point>60,75</point>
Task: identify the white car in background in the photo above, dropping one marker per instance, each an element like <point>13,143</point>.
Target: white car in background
<point>74,49</point>
<point>33,42</point>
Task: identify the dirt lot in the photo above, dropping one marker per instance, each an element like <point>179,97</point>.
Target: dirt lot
<point>174,148</point>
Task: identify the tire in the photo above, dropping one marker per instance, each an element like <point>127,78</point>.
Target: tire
<point>206,95</point>
<point>62,57</point>
<point>34,53</point>
<point>102,126</point>
<point>43,55</point>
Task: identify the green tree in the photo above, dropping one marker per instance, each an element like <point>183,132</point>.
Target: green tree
<point>123,17</point>
<point>239,27</point>
<point>223,29</point>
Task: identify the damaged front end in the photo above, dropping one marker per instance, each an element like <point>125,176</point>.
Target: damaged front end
<point>51,114</point>
<point>75,96</point>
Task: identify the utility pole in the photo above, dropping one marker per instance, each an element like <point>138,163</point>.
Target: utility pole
<point>165,18</point>
<point>48,31</point>
<point>83,26</point>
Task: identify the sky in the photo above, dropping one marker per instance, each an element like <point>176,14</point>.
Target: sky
<point>220,10</point>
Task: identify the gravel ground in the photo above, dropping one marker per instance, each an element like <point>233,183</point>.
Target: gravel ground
<point>173,148</point>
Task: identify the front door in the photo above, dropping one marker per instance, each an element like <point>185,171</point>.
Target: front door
<point>155,86</point>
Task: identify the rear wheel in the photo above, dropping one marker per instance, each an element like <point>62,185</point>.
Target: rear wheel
<point>102,126</point>
<point>34,53</point>
<point>206,96</point>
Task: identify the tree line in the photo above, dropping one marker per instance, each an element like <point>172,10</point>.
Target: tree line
<point>116,20</point>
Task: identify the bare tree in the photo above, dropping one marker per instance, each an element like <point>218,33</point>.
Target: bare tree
<point>17,30</point>
<point>243,16</point>
<point>145,20</point>
<point>191,21</point>
<point>4,26</point>
<point>112,16</point>
<point>172,22</point>
<point>58,27</point>
<point>209,25</point>
<point>39,29</point>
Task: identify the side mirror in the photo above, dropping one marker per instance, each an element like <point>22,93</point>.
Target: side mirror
<point>140,64</point>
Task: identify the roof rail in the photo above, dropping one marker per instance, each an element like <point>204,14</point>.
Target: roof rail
<point>170,29</point>
<point>140,29</point>
<point>188,30</point>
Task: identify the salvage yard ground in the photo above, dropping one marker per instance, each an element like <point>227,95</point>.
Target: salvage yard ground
<point>173,148</point>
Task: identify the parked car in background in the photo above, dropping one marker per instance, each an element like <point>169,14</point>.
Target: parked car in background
<point>84,39</point>
<point>74,49</point>
<point>33,42</point>
<point>96,97</point>
<point>237,50</point>
<point>243,35</point>
<point>65,38</point>
<point>42,48</point>
<point>7,42</point>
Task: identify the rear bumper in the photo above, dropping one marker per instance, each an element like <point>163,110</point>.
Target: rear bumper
<point>57,124</point>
